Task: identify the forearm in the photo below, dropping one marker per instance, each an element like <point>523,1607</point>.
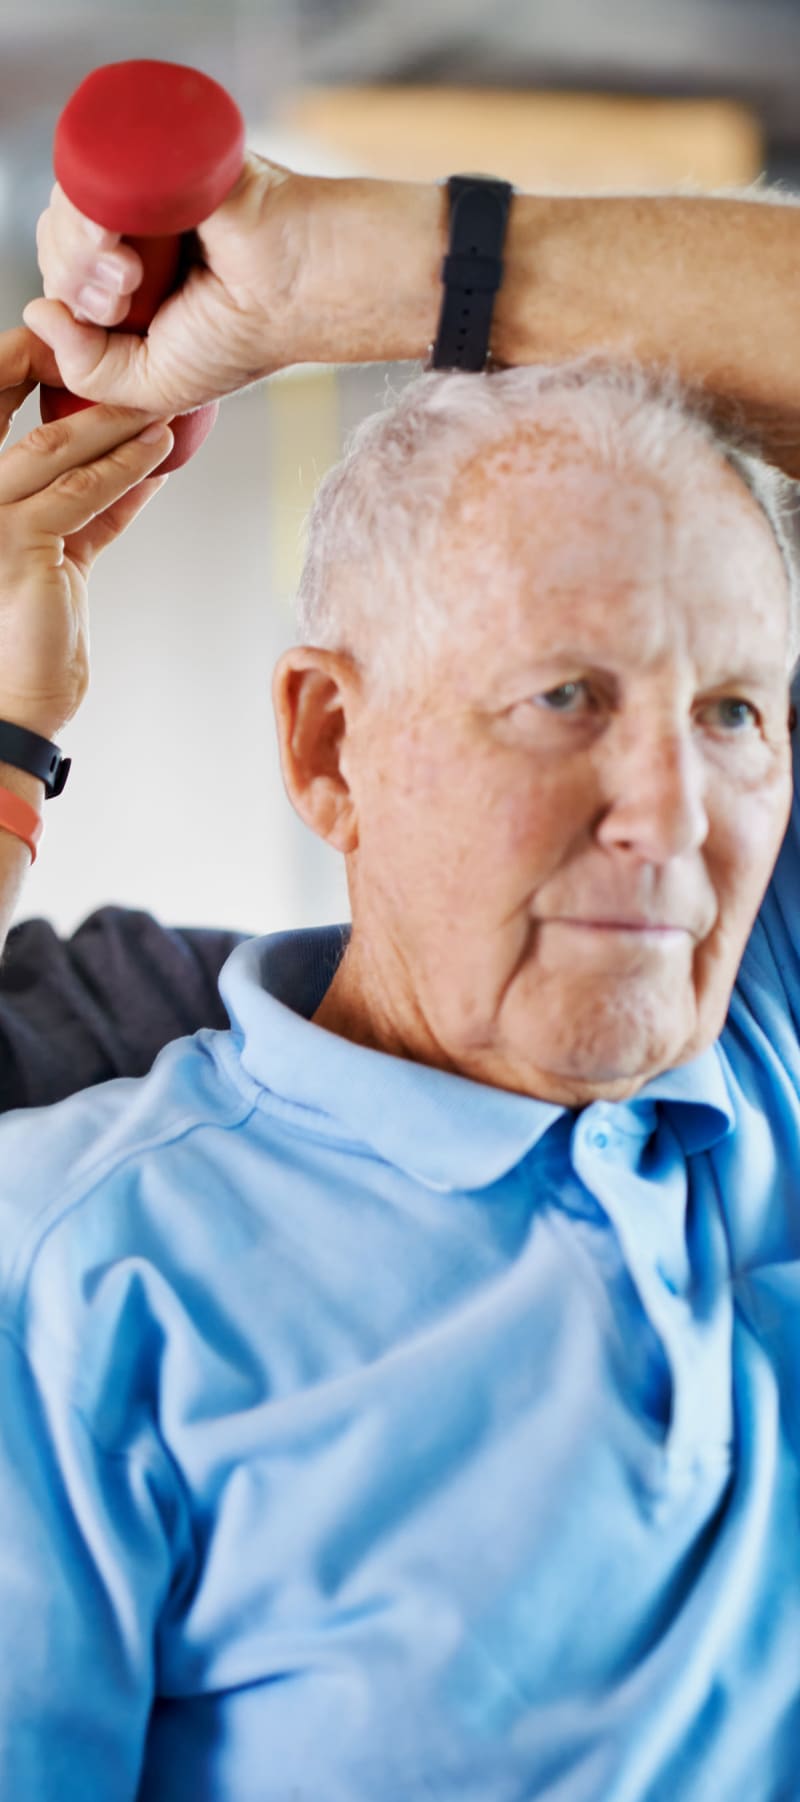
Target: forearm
<point>707,285</point>
<point>15,858</point>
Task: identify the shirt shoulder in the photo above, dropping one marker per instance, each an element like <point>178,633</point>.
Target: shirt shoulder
<point>56,1162</point>
<point>103,1002</point>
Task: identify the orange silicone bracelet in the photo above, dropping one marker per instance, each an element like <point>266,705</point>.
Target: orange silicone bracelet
<point>22,820</point>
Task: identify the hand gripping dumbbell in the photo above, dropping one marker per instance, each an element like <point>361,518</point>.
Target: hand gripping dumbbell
<point>148,150</point>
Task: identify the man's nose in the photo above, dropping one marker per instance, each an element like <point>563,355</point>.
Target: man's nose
<point>656,797</point>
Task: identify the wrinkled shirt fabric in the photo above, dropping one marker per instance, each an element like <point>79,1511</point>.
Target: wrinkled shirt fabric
<point>372,1433</point>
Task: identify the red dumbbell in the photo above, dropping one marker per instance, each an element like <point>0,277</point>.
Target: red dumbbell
<point>148,149</point>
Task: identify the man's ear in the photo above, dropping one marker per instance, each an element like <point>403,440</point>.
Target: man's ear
<point>315,695</point>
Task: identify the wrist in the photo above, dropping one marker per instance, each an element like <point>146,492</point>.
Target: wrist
<point>19,782</point>
<point>370,282</point>
<point>34,716</point>
<point>21,818</point>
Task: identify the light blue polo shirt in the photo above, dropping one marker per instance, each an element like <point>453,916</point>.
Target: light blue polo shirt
<point>372,1435</point>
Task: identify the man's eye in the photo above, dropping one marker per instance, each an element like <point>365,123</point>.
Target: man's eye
<point>733,702</point>
<point>739,713</point>
<point>552,695</point>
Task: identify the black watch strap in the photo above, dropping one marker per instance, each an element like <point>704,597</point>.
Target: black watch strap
<point>28,751</point>
<point>472,270</point>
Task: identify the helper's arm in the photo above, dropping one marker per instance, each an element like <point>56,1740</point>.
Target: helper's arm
<point>14,855</point>
<point>66,491</point>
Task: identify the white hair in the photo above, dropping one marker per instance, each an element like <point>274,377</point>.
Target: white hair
<point>368,582</point>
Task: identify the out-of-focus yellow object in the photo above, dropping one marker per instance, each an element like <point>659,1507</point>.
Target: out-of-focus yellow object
<point>305,440</point>
<point>542,141</point>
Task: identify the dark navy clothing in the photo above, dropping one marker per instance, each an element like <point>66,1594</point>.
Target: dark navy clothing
<point>76,1011</point>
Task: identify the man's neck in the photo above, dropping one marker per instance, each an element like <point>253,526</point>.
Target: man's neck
<point>372,1003</point>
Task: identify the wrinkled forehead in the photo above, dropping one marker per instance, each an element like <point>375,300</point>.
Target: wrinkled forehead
<point>542,535</point>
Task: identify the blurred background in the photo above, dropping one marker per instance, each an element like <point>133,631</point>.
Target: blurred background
<point>175,803</point>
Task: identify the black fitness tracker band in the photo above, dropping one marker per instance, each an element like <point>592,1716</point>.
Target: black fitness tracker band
<point>472,270</point>
<point>35,755</point>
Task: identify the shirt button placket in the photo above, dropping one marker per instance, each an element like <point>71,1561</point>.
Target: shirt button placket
<point>600,1134</point>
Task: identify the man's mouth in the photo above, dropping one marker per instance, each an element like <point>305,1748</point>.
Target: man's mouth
<point>650,928</point>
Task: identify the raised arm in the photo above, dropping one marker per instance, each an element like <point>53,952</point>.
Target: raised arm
<point>296,269</point>
<point>66,491</point>
<point>708,286</point>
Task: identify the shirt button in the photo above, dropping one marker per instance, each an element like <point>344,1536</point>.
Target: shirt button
<point>600,1139</point>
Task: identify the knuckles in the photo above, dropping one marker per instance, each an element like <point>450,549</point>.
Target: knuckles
<point>47,440</point>
<point>59,435</point>
<point>78,481</point>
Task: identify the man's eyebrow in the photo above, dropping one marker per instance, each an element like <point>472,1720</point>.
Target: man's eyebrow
<point>762,673</point>
<point>757,675</point>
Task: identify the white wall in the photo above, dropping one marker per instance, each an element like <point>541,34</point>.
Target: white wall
<point>175,801</point>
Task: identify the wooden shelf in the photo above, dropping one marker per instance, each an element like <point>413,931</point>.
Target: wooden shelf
<point>543,141</point>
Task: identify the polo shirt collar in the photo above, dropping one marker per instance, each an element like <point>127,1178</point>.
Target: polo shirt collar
<point>696,1099</point>
<point>447,1131</point>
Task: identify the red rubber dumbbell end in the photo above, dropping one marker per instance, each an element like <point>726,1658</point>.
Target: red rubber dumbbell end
<point>148,149</point>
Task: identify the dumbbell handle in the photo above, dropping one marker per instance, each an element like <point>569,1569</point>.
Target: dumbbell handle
<point>148,150</point>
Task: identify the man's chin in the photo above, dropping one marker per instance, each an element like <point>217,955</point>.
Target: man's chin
<point>579,1089</point>
<point>607,1054</point>
<point>570,1079</point>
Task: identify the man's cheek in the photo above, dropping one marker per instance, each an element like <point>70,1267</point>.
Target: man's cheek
<point>533,826</point>
<point>750,844</point>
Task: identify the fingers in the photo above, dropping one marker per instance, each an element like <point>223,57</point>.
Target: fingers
<point>84,547</point>
<point>62,475</point>
<point>10,401</point>
<point>24,361</point>
<point>94,363</point>
<point>78,258</point>
<point>61,224</point>
<point>88,276</point>
<point>100,291</point>
<point>78,496</point>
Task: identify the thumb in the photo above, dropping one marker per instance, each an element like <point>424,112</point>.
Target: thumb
<point>94,364</point>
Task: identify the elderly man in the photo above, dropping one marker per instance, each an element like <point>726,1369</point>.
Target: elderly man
<point>293,268</point>
<point>399,1387</point>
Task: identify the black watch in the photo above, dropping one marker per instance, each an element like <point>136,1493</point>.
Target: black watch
<point>472,270</point>
<point>35,755</point>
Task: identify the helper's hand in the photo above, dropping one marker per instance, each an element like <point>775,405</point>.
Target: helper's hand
<point>289,269</point>
<point>66,491</point>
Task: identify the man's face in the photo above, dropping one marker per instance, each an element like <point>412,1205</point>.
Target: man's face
<point>603,740</point>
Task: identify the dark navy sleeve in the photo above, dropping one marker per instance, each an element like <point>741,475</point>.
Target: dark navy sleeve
<point>102,1003</point>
